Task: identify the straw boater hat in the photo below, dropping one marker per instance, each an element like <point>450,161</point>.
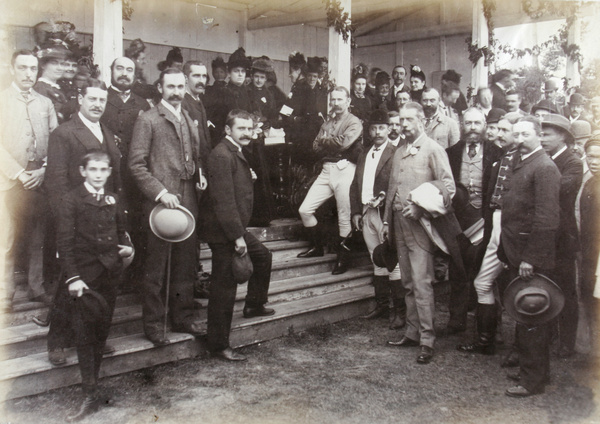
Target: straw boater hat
<point>533,302</point>
<point>172,225</point>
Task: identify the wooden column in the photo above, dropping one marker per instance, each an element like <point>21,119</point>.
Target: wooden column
<point>574,37</point>
<point>108,34</point>
<point>340,59</point>
<point>479,76</point>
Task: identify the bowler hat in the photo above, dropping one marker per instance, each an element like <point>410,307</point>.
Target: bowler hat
<point>378,116</point>
<point>313,65</point>
<point>242,268</point>
<point>385,256</point>
<point>172,225</point>
<point>92,307</point>
<point>534,301</point>
<point>558,121</point>
<point>550,85</point>
<point>494,115</point>
<point>544,104</point>
<point>581,129</point>
<point>576,99</point>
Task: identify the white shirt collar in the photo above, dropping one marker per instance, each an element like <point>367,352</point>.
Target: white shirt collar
<point>235,143</point>
<point>557,154</point>
<point>50,83</point>
<point>525,156</point>
<point>187,90</point>
<point>94,127</point>
<point>170,108</point>
<point>87,122</point>
<point>91,188</point>
<point>16,87</point>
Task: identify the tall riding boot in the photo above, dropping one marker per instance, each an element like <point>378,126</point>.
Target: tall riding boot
<point>316,244</point>
<point>343,258</point>
<point>381,285</point>
<point>398,310</point>
<point>486,331</point>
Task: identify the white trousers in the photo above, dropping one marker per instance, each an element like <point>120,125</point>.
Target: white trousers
<point>491,267</point>
<point>332,181</point>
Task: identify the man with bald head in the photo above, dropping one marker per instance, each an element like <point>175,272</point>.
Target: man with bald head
<point>122,109</point>
<point>471,161</point>
<point>438,126</point>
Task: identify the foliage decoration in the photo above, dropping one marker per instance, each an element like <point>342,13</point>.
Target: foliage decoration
<point>487,52</point>
<point>127,9</point>
<point>339,20</point>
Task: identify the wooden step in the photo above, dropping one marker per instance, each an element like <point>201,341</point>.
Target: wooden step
<point>33,374</point>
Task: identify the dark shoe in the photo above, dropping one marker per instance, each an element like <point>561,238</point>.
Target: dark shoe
<point>484,349</point>
<point>426,355</point>
<point>514,376</point>
<point>42,322</point>
<point>57,356</point>
<point>313,252</point>
<point>158,339</point>
<point>195,328</point>
<point>257,311</point>
<point>450,330</point>
<point>520,392</point>
<point>379,311</point>
<point>397,320</point>
<point>404,342</point>
<point>89,406</point>
<point>511,360</point>
<point>341,266</point>
<point>229,355</point>
<point>108,349</point>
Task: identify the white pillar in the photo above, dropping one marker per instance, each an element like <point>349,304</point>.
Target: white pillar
<point>479,76</point>
<point>340,59</point>
<point>108,34</point>
<point>574,37</point>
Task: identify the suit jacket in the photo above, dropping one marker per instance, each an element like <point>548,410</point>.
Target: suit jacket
<point>156,154</point>
<point>231,193</point>
<point>382,177</point>
<point>590,229</point>
<point>491,154</point>
<point>198,115</point>
<point>499,96</point>
<point>444,130</point>
<point>530,213</point>
<point>571,176</point>
<point>66,146</point>
<point>88,234</point>
<point>16,135</point>
<point>120,117</point>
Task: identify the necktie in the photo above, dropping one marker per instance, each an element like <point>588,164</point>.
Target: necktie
<point>472,150</point>
<point>376,149</point>
<point>99,196</point>
<point>25,95</point>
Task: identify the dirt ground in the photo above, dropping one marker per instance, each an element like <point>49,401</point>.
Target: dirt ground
<point>341,373</point>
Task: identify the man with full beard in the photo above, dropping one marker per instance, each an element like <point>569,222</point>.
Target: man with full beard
<point>471,160</point>
<point>438,126</point>
<point>122,109</point>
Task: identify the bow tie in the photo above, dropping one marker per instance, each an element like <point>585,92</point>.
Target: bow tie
<point>375,149</point>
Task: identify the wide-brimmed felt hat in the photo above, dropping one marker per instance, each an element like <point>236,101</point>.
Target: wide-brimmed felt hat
<point>172,225</point>
<point>558,121</point>
<point>544,104</point>
<point>494,115</point>
<point>92,307</point>
<point>242,268</point>
<point>533,302</point>
<point>385,256</point>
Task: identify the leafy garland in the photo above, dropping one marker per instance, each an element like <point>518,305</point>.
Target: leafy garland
<point>559,40</point>
<point>127,9</point>
<point>339,20</point>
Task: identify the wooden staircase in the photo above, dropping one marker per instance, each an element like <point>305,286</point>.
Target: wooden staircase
<point>303,293</point>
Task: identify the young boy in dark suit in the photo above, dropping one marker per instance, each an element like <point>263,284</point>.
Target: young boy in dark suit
<point>92,243</point>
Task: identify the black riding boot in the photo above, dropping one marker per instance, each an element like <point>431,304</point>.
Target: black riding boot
<point>343,258</point>
<point>316,244</point>
<point>398,310</point>
<point>382,292</point>
<point>486,331</point>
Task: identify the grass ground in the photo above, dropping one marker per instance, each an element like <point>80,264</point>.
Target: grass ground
<point>340,373</point>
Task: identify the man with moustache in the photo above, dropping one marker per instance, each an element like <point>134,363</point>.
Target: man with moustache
<point>486,314</point>
<point>338,144</point>
<point>72,140</point>
<point>230,199</point>
<point>557,140</point>
<point>395,137</point>
<point>399,77</point>
<point>402,98</point>
<point>123,107</point>
<point>491,129</point>
<point>438,126</point>
<point>471,161</point>
<point>196,77</point>
<point>165,162</point>
<point>27,119</point>
<point>530,219</point>
<point>370,179</point>
<point>418,161</point>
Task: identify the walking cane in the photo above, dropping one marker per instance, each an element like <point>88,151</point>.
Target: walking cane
<point>375,202</point>
<point>167,289</point>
